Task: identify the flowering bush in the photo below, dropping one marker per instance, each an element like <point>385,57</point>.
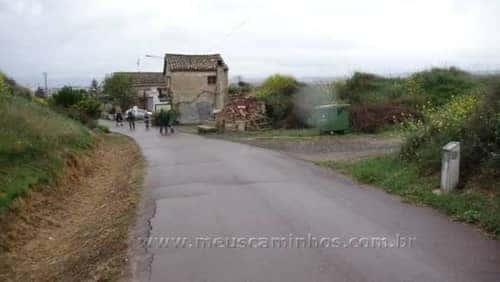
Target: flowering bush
<point>473,120</point>
<point>424,137</point>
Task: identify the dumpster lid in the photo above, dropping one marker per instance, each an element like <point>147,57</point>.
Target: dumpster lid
<point>332,106</point>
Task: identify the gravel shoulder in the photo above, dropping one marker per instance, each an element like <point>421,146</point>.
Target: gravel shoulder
<point>320,148</point>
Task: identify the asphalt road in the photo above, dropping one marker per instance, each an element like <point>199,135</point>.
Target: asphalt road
<point>241,213</point>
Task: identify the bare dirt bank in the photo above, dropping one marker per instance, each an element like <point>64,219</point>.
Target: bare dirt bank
<point>76,229</point>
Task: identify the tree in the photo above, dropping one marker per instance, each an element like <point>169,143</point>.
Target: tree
<point>67,97</point>
<point>277,92</point>
<point>119,87</point>
<point>40,93</point>
<point>94,88</point>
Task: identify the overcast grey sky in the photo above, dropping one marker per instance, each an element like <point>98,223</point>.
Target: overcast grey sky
<point>76,40</point>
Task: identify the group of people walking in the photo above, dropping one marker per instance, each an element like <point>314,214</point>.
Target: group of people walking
<point>165,120</point>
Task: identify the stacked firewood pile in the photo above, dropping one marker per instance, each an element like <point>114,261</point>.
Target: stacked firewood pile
<point>242,113</point>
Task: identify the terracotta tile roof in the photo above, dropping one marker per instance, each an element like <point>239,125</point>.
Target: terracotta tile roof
<point>146,78</point>
<point>180,62</point>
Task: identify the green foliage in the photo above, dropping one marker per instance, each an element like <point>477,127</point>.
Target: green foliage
<point>473,120</point>
<point>368,93</point>
<point>33,141</point>
<point>480,135</point>
<point>67,97</point>
<point>3,86</point>
<point>239,88</point>
<point>119,87</point>
<point>440,85</point>
<point>277,91</point>
<point>365,88</point>
<point>436,86</point>
<point>404,179</point>
<point>77,104</point>
<point>10,87</point>
<point>90,107</point>
<point>425,137</point>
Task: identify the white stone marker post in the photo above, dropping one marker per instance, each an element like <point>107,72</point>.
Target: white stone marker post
<point>450,166</point>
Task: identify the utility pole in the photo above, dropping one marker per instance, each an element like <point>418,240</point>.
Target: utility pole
<point>46,84</point>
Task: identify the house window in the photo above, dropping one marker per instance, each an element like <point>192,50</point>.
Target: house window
<point>212,79</point>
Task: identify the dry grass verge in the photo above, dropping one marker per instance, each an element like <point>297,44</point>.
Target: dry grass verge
<point>76,230</point>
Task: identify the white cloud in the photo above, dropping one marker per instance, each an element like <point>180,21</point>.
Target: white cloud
<point>77,40</point>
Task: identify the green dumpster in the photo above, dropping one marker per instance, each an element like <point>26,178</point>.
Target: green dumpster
<point>332,118</point>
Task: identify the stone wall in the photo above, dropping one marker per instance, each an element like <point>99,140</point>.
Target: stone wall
<point>222,87</point>
<point>194,98</point>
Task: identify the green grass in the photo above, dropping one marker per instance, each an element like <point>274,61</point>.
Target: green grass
<point>33,143</point>
<point>403,179</point>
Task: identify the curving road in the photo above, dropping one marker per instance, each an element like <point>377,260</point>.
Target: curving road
<point>226,204</point>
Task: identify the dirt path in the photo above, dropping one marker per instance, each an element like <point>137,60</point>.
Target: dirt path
<point>77,229</point>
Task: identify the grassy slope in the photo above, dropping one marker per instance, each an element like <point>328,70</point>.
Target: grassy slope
<point>84,213</point>
<point>33,142</point>
<point>468,205</point>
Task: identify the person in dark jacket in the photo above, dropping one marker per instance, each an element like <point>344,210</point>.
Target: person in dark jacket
<point>146,120</point>
<point>171,120</point>
<point>119,119</point>
<point>131,120</point>
<point>163,121</point>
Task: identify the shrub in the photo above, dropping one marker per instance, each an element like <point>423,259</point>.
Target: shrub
<point>277,91</point>
<point>10,87</point>
<point>440,85</point>
<point>89,107</point>
<point>366,88</point>
<point>78,105</point>
<point>481,135</point>
<point>67,97</point>
<point>463,119</point>
<point>370,118</point>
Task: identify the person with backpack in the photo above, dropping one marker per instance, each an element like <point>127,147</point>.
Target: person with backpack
<point>131,120</point>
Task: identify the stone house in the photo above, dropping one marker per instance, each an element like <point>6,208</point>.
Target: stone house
<point>197,85</point>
